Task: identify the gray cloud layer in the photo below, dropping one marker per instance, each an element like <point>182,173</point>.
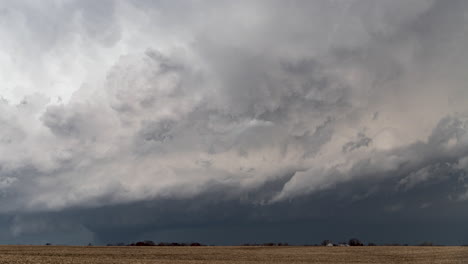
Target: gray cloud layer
<point>112,102</point>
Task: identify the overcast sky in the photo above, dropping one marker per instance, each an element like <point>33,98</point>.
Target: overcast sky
<point>230,122</point>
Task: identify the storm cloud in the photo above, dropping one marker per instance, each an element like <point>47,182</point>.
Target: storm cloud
<point>261,106</point>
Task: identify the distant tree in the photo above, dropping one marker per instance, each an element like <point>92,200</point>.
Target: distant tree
<point>48,244</point>
<point>143,243</point>
<point>89,244</point>
<point>353,242</point>
<point>149,243</point>
<point>326,242</point>
<point>370,244</point>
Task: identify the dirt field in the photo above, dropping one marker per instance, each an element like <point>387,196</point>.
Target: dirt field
<point>63,254</point>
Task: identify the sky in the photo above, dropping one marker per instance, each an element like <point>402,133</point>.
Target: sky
<point>230,122</point>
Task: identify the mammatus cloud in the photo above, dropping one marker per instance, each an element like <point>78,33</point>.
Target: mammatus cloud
<point>121,101</point>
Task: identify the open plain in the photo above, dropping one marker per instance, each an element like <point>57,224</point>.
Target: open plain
<point>234,255</point>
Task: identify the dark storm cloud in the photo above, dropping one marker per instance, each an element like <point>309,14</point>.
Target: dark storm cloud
<point>153,109</point>
<point>331,214</point>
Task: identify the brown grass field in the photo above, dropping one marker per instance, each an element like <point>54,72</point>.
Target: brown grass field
<point>95,255</point>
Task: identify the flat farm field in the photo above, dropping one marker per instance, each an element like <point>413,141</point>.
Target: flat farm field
<point>95,255</point>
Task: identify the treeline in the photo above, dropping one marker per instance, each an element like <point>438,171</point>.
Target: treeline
<point>149,243</point>
<point>353,242</point>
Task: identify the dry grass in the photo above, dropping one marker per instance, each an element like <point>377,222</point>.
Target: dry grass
<point>95,255</point>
